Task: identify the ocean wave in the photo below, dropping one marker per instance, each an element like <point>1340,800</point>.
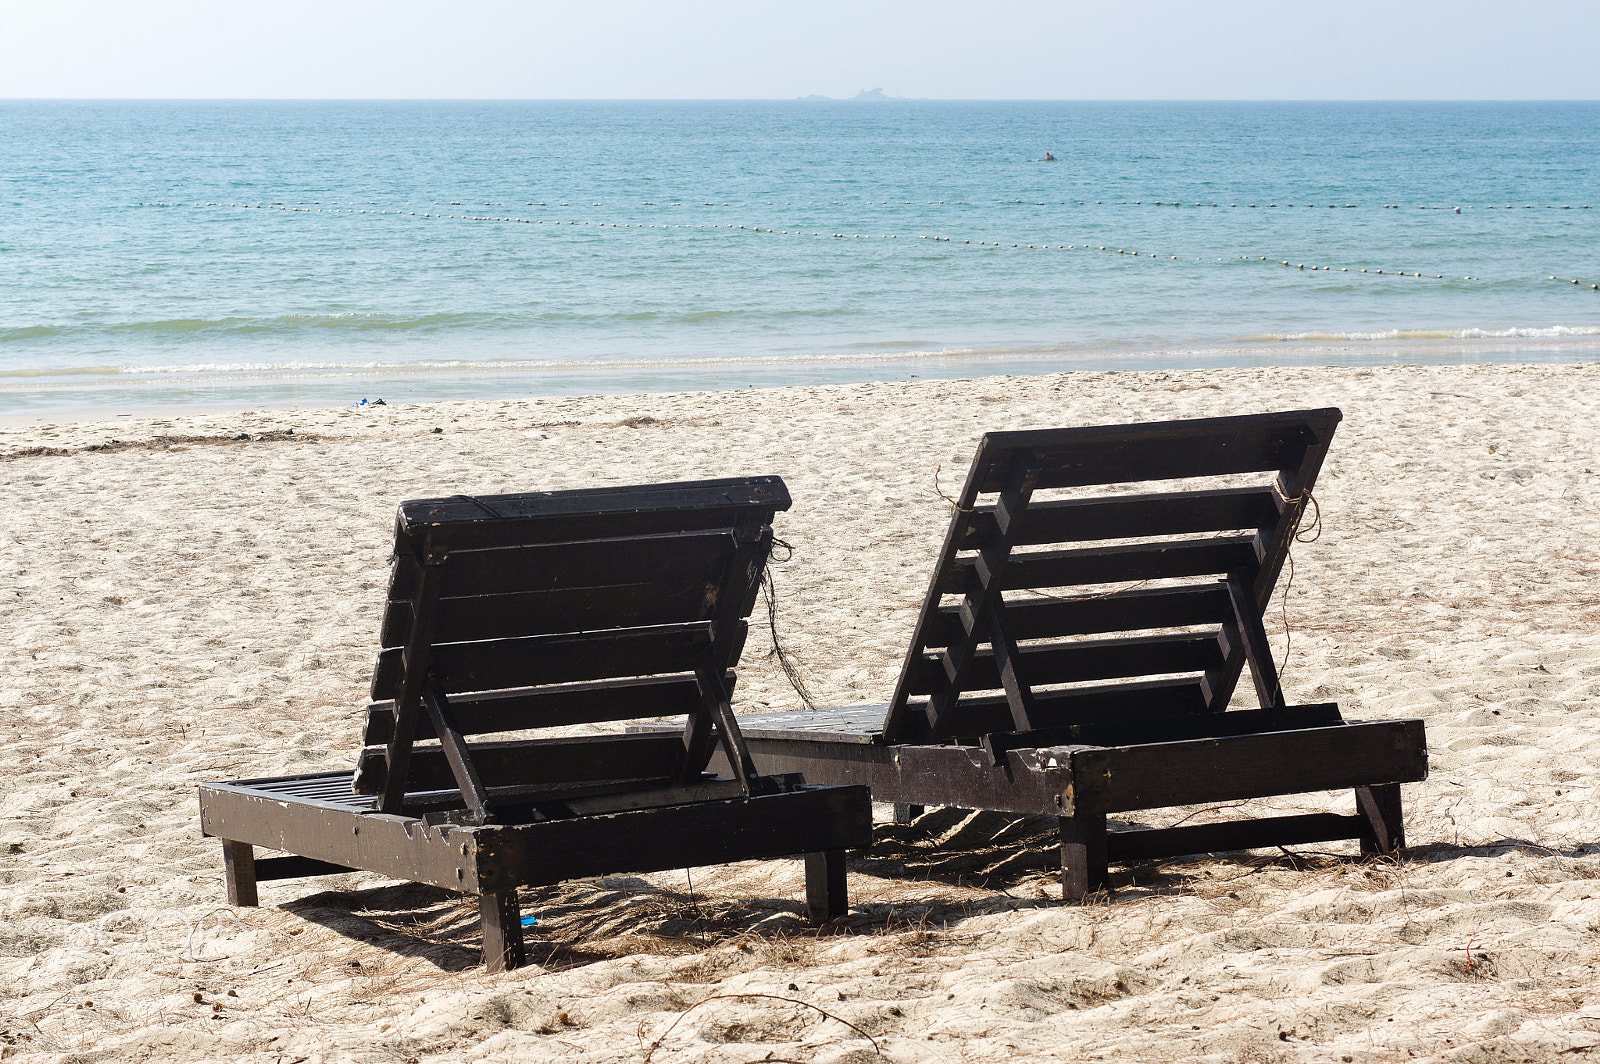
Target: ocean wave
<point>240,327</point>
<point>688,317</point>
<point>522,365</point>
<point>226,372</point>
<point>465,377</point>
<point>1550,332</point>
<point>278,324</point>
<point>63,371</point>
<point>1033,357</point>
<point>28,332</point>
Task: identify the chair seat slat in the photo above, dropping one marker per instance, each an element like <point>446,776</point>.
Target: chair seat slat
<point>1111,565</point>
<point>601,563</point>
<point>1084,661</point>
<point>523,661</point>
<point>1132,516</point>
<point>1131,611</point>
<point>554,706</point>
<point>595,513</point>
<point>1157,450</point>
<point>465,619</point>
<point>536,761</point>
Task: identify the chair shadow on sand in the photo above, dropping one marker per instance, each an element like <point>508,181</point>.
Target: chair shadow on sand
<point>932,875</point>
<point>948,866</point>
<point>578,923</point>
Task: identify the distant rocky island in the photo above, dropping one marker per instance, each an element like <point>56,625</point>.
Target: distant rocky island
<point>864,94</point>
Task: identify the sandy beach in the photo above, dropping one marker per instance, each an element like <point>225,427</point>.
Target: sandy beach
<point>195,597</point>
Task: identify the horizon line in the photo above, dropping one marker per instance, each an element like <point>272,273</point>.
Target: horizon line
<point>783,99</point>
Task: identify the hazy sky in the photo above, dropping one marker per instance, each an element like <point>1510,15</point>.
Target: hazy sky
<point>527,49</point>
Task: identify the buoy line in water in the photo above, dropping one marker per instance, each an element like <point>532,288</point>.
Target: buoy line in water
<point>336,207</point>
<point>1592,287</point>
<point>1457,208</point>
<point>1166,203</point>
<point>1345,269</point>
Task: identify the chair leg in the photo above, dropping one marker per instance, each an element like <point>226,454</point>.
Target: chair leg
<point>905,814</point>
<point>239,865</point>
<point>1385,819</point>
<point>826,897</point>
<point>1084,868</point>
<point>502,931</point>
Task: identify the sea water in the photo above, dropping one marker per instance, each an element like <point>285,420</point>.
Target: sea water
<point>169,253</point>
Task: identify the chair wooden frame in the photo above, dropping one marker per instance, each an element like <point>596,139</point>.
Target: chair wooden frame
<point>546,610</point>
<point>1003,703</point>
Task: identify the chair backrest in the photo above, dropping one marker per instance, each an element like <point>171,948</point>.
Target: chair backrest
<point>1094,607</point>
<point>552,609</point>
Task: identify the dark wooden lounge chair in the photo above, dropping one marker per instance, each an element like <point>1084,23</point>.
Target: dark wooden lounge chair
<point>1074,657</point>
<point>510,613</point>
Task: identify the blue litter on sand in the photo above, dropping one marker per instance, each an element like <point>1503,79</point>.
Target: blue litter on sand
<point>530,921</point>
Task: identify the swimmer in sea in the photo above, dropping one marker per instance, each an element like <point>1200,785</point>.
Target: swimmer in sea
<point>1048,158</point>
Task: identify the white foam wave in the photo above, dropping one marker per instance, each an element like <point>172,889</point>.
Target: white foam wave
<point>1549,332</point>
<point>526,365</point>
<point>1067,355</point>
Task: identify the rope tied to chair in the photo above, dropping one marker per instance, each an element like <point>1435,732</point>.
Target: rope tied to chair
<point>955,507</point>
<point>490,510</point>
<point>1300,535</point>
<point>1314,533</point>
<point>779,652</point>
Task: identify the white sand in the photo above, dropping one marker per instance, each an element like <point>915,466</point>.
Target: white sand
<point>201,611</point>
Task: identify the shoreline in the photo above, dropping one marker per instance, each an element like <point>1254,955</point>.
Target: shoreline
<point>196,606</point>
<point>147,393</point>
<point>114,414</point>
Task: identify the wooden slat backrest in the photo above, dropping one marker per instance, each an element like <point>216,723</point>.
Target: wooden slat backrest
<point>547,609</point>
<point>1035,604</point>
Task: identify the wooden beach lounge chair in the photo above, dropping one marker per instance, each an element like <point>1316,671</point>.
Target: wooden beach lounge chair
<point>511,613</point>
<point>1075,656</point>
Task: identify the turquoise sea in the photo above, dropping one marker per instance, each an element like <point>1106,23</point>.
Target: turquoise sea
<point>210,253</point>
